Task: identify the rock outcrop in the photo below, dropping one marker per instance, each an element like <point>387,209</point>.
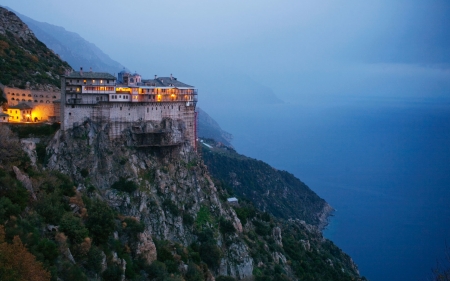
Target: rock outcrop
<point>173,185</point>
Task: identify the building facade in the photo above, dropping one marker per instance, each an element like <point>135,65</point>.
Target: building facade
<point>127,100</point>
<point>44,105</point>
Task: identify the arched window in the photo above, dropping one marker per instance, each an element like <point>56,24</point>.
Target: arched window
<point>13,94</point>
<point>29,95</point>
<point>41,101</point>
<point>35,101</point>
<point>23,95</point>
<point>12,99</point>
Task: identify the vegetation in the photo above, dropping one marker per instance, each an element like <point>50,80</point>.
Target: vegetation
<point>278,192</point>
<point>28,60</point>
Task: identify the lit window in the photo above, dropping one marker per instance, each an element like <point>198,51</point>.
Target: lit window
<point>101,81</point>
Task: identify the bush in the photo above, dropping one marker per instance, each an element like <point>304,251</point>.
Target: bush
<point>226,227</point>
<point>100,221</point>
<point>124,185</point>
<point>8,209</point>
<point>112,273</point>
<point>73,228</point>
<point>210,254</point>
<point>94,260</point>
<point>157,270</point>
<point>194,273</point>
<point>172,207</point>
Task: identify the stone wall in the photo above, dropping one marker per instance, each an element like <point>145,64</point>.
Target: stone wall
<point>122,114</point>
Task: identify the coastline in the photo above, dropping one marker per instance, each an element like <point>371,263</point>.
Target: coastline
<point>323,216</point>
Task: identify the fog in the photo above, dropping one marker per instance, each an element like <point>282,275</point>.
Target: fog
<point>351,96</point>
<point>308,51</point>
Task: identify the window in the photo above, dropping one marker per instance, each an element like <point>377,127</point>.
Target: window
<point>13,94</point>
<point>84,81</point>
<point>23,95</point>
<point>120,108</point>
<point>78,81</point>
<point>35,101</point>
<point>12,99</point>
<point>29,95</point>
<point>70,113</point>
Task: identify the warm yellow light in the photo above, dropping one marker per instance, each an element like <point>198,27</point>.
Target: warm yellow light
<point>101,81</point>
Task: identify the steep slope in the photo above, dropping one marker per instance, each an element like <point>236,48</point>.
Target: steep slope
<point>271,190</point>
<point>71,47</point>
<point>25,59</point>
<point>101,210</point>
<point>208,128</point>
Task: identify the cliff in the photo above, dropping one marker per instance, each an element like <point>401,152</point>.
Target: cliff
<point>26,61</point>
<point>103,210</point>
<point>277,192</point>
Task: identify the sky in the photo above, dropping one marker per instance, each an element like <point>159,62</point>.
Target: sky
<point>300,60</point>
<point>304,51</point>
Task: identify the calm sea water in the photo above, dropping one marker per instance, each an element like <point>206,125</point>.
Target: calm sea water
<point>384,167</point>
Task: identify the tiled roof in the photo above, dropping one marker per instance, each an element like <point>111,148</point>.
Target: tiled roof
<point>165,82</point>
<point>21,106</point>
<point>3,114</point>
<point>90,75</point>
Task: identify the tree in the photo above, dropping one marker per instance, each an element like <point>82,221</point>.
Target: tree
<point>100,221</point>
<point>17,264</point>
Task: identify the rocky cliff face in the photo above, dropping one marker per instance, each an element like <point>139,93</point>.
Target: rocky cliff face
<point>173,186</point>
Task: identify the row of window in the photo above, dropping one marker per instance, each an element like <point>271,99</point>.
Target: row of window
<point>41,101</point>
<point>29,95</point>
<point>93,81</point>
<point>23,111</point>
<point>114,97</point>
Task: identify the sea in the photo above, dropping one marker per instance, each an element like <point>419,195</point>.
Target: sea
<point>382,164</point>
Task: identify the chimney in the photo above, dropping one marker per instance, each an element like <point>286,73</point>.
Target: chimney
<point>156,76</point>
<point>81,71</point>
<point>90,69</point>
<point>171,77</point>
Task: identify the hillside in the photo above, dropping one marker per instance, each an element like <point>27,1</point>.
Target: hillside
<point>71,47</point>
<point>277,192</point>
<point>208,128</point>
<point>92,209</point>
<point>25,59</point>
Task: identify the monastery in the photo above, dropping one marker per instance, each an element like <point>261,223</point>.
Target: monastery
<point>151,107</point>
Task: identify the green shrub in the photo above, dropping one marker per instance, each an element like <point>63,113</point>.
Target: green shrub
<point>73,228</point>
<point>188,219</point>
<point>94,260</point>
<point>157,270</point>
<point>84,172</point>
<point>7,209</point>
<point>194,273</point>
<point>211,254</point>
<point>172,207</point>
<point>124,185</point>
<point>112,273</point>
<point>100,221</point>
<point>226,227</point>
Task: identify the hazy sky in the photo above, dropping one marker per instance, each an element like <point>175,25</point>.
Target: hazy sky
<point>300,49</point>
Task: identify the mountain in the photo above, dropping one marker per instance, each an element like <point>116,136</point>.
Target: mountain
<point>25,59</point>
<point>71,47</point>
<point>78,205</point>
<point>89,208</point>
<point>276,192</point>
<point>208,128</point>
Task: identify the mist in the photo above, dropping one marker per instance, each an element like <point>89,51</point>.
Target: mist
<point>353,97</point>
